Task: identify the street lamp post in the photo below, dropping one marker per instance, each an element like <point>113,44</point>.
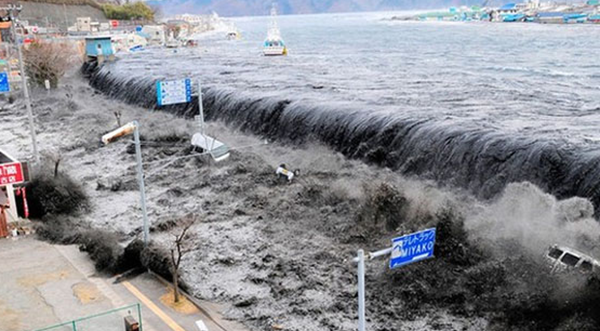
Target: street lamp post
<point>11,12</point>
<point>140,173</point>
<point>127,129</point>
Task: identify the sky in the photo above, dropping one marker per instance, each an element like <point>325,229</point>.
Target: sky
<point>261,7</point>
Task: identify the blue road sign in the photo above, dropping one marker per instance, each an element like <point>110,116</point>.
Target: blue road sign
<point>170,92</point>
<point>4,85</point>
<point>412,248</point>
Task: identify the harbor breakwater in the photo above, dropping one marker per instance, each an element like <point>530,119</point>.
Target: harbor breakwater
<point>482,161</point>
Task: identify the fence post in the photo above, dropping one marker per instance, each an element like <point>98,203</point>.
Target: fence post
<point>74,326</point>
<point>139,307</point>
<point>361,290</point>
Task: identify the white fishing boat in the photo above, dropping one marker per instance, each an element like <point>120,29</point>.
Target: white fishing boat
<point>274,44</point>
<point>233,35</point>
<point>172,44</point>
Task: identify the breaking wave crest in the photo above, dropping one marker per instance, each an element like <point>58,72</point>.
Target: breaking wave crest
<point>483,161</point>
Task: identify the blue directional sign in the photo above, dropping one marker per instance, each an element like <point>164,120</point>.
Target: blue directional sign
<point>412,248</point>
<point>4,86</point>
<point>170,92</point>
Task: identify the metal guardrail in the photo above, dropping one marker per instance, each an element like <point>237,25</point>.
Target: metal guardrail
<point>98,322</point>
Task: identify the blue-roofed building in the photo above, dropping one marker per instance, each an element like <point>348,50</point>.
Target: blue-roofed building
<point>99,48</point>
<point>575,18</point>
<point>505,12</point>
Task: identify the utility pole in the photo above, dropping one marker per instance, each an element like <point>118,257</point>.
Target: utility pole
<point>11,12</point>
<point>200,108</point>
<point>66,21</point>
<point>140,172</point>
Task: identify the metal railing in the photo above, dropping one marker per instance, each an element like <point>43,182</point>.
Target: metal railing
<point>112,320</point>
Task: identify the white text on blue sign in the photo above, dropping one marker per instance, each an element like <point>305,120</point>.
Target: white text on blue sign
<point>171,92</point>
<point>412,248</point>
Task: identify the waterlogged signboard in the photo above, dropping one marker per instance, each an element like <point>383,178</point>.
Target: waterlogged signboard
<point>170,92</point>
<point>412,248</point>
<point>4,86</point>
<point>11,173</point>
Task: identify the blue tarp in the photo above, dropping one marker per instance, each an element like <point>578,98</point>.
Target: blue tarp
<point>575,16</point>
<point>513,18</point>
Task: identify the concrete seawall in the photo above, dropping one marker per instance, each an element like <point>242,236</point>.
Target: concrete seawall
<point>62,16</point>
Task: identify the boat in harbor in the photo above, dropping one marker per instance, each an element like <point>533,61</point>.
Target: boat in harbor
<point>274,45</point>
<point>233,35</point>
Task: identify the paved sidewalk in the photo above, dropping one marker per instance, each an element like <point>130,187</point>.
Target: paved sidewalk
<point>39,287</point>
<point>43,285</point>
<point>185,315</point>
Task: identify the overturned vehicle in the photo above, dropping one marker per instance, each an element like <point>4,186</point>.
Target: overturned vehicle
<point>563,258</point>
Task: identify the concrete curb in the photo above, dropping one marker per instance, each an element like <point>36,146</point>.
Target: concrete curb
<point>193,300</point>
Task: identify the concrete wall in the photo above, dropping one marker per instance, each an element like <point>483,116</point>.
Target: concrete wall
<point>42,14</point>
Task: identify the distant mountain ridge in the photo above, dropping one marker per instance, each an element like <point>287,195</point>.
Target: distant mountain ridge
<point>261,7</point>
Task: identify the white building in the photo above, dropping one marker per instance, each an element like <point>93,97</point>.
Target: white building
<point>533,4</point>
<point>156,34</point>
<point>84,24</point>
<point>202,23</point>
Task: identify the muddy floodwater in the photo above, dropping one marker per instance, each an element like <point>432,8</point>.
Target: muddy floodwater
<point>485,131</point>
<point>471,105</point>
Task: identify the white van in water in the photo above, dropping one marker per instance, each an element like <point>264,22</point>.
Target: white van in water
<point>218,150</point>
<point>565,258</point>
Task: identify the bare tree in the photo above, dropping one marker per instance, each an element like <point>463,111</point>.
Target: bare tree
<point>55,156</point>
<point>118,116</point>
<point>181,246</point>
<point>47,61</point>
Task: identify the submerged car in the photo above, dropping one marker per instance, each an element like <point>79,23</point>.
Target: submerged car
<point>564,258</point>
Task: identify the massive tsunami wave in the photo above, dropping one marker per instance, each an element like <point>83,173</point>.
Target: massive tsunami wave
<point>475,106</point>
